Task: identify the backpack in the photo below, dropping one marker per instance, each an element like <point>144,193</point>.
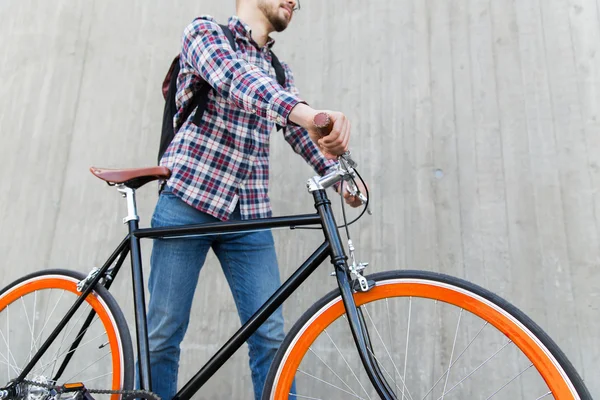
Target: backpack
<point>199,99</point>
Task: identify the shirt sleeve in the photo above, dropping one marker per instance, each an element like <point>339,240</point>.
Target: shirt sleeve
<point>206,49</point>
<point>299,139</point>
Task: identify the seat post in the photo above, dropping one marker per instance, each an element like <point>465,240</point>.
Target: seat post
<point>129,194</point>
<point>139,301</point>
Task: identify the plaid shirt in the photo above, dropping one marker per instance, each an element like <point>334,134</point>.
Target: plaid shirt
<point>225,160</point>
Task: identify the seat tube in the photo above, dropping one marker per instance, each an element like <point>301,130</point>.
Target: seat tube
<point>137,275</point>
<point>338,259</point>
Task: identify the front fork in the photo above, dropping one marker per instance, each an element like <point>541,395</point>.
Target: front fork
<point>355,319</point>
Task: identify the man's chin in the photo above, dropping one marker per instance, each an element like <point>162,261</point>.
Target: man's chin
<point>280,24</point>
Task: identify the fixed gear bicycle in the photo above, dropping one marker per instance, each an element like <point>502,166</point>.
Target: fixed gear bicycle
<point>392,335</point>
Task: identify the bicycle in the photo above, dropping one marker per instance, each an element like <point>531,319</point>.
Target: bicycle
<point>336,349</point>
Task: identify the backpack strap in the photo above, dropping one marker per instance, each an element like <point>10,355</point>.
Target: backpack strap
<point>229,35</point>
<point>201,96</point>
<point>279,71</point>
<point>280,74</point>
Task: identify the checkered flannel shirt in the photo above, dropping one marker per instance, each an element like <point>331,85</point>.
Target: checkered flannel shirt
<point>225,160</point>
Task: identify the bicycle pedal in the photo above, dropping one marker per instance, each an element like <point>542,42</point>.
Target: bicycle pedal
<point>74,391</point>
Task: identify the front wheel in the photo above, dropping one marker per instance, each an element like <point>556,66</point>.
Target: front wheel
<point>433,336</point>
<point>94,347</point>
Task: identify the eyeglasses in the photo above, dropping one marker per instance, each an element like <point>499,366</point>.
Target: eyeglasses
<point>297,7</point>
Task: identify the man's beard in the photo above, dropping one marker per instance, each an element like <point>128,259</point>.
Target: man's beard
<point>278,23</point>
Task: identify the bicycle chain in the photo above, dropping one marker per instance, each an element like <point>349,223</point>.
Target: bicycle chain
<point>126,394</point>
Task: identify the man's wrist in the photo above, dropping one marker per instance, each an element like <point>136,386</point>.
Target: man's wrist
<point>302,114</point>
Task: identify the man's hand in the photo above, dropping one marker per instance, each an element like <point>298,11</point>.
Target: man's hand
<point>336,142</point>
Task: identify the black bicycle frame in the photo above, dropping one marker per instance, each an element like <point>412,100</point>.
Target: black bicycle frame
<point>332,246</point>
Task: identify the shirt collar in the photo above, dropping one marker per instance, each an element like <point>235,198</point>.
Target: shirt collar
<point>242,29</point>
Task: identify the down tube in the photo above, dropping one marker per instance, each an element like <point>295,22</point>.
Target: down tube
<point>237,340</point>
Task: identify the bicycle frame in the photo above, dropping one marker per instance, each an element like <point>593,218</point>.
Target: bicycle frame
<point>332,246</point>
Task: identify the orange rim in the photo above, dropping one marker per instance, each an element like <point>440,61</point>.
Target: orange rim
<point>56,282</point>
<point>545,364</point>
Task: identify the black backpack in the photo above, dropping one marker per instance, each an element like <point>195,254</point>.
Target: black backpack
<point>199,100</point>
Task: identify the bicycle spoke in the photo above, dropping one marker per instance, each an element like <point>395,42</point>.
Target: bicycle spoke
<point>327,365</point>
<point>452,353</point>
<point>387,305</point>
<point>546,395</point>
<point>34,344</point>
<point>64,335</point>
<point>507,383</point>
<point>5,358</point>
<point>455,361</point>
<point>29,324</point>
<point>476,369</point>
<point>57,356</point>
<point>51,314</point>
<point>8,364</point>
<point>348,365</point>
<point>44,320</point>
<point>83,370</point>
<point>305,397</point>
<point>388,353</point>
<point>388,374</point>
<point>330,384</point>
<point>10,354</point>
<point>67,352</point>
<point>97,377</point>
<point>8,344</point>
<point>69,332</point>
<point>406,348</point>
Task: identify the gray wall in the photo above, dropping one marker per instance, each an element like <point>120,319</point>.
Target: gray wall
<point>476,124</point>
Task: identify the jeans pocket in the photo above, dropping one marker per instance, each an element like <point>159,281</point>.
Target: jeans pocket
<point>160,217</point>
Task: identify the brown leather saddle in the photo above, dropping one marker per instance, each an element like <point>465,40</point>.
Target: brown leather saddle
<point>132,177</point>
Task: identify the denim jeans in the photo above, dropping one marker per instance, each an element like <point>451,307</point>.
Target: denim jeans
<point>250,267</point>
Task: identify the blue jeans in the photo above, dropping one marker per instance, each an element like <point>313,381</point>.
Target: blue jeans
<point>250,267</point>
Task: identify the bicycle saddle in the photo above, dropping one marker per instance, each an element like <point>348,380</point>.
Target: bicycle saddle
<point>131,177</point>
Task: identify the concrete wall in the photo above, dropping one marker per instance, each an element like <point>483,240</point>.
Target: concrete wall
<point>476,124</point>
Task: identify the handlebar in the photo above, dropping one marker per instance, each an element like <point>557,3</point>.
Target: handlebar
<point>323,123</point>
<point>345,171</point>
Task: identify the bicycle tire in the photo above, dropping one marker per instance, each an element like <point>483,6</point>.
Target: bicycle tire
<point>42,284</point>
<point>558,373</point>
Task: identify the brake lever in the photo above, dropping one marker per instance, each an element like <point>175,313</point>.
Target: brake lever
<point>348,159</point>
<point>354,191</point>
<point>349,165</point>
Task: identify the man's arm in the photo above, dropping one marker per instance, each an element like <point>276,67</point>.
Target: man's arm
<point>206,49</point>
<point>299,137</point>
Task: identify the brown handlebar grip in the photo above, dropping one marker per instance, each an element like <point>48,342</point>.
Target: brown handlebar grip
<point>323,123</point>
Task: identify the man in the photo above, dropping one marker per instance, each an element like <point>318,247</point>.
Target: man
<point>220,171</point>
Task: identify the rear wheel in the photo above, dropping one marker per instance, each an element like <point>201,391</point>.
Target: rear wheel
<point>433,337</point>
<point>30,309</point>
